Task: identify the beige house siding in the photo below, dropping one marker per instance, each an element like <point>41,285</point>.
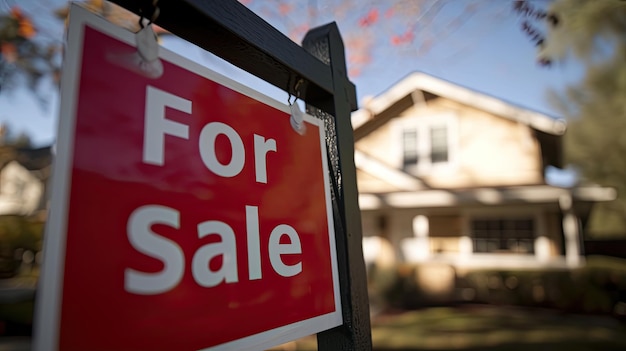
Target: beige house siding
<point>485,150</point>
<point>553,230</point>
<point>444,233</point>
<point>445,226</point>
<point>452,177</point>
<point>495,151</point>
<point>371,183</point>
<point>378,145</point>
<point>400,227</point>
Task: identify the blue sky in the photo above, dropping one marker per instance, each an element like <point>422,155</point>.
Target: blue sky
<point>488,53</point>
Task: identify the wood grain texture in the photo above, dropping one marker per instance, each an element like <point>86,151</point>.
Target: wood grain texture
<point>355,334</point>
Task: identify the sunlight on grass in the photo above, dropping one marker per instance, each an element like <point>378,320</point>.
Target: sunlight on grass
<point>488,327</point>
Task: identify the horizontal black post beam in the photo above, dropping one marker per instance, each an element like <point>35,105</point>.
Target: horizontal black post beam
<point>231,31</point>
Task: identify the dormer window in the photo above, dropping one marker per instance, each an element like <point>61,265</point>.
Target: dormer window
<point>439,144</point>
<point>428,143</point>
<point>409,148</point>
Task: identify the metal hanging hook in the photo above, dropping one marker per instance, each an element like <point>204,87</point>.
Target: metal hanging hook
<point>155,14</point>
<point>297,87</point>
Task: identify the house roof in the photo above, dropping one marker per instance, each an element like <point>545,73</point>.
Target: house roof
<point>31,159</point>
<point>397,178</point>
<point>433,198</point>
<point>380,109</point>
<point>423,82</point>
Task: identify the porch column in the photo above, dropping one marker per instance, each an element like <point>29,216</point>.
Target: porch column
<point>417,248</point>
<point>571,231</point>
<point>542,243</point>
<point>466,245</point>
<point>420,231</point>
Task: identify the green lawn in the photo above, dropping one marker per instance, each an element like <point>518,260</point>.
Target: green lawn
<point>468,327</point>
<point>489,328</point>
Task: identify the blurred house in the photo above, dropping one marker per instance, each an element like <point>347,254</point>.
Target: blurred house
<point>452,176</point>
<point>24,173</point>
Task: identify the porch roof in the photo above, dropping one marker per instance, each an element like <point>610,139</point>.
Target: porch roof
<point>488,196</point>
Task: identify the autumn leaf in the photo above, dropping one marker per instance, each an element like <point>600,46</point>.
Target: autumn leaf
<point>404,38</point>
<point>389,13</point>
<point>284,9</point>
<point>370,18</point>
<point>8,51</point>
<point>26,27</point>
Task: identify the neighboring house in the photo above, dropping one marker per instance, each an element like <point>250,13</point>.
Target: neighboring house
<point>23,176</point>
<point>450,175</point>
<point>24,173</point>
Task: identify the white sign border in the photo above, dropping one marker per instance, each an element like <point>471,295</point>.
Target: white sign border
<point>49,297</point>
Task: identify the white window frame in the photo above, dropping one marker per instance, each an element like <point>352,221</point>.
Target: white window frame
<point>423,125</point>
<point>501,238</point>
<point>536,214</point>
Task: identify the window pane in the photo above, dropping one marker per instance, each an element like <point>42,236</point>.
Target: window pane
<point>480,245</point>
<point>409,147</point>
<point>439,144</point>
<point>503,235</point>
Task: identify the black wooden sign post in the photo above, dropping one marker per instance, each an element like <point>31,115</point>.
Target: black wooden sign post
<point>315,73</point>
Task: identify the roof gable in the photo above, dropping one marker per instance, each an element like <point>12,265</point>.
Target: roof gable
<point>406,90</point>
<point>418,88</point>
<point>30,159</point>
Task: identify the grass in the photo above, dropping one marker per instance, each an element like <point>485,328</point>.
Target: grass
<point>606,262</point>
<point>482,327</point>
<point>468,327</point>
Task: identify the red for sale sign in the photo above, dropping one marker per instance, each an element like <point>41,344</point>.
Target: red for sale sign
<point>187,213</point>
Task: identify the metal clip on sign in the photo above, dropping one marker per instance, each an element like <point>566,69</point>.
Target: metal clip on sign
<point>145,61</point>
<point>148,47</point>
<point>297,116</point>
